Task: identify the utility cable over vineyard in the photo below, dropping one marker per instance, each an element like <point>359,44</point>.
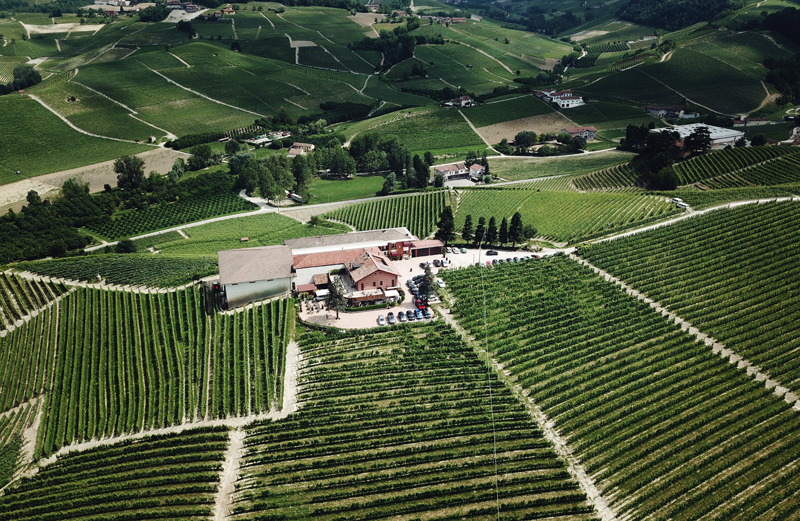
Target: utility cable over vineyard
<point>398,423</point>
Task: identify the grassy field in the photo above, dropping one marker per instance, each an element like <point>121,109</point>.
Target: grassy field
<point>631,86</point>
<point>606,116</point>
<point>332,190</point>
<point>506,110</point>
<point>514,169</point>
<point>421,129</point>
<point>262,230</point>
<point>29,130</point>
<point>708,81</point>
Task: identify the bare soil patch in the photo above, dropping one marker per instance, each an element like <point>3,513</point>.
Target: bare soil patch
<point>59,28</point>
<point>367,19</point>
<point>13,195</point>
<point>585,35</point>
<point>553,122</point>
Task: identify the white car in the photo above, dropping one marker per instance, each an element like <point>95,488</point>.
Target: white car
<point>441,283</point>
<point>381,320</point>
<point>445,263</point>
<point>449,249</point>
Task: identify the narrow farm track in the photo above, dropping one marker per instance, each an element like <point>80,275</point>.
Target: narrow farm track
<point>270,21</point>
<point>180,59</point>
<point>476,131</point>
<point>68,122</point>
<point>717,347</point>
<point>228,475</point>
<point>574,466</point>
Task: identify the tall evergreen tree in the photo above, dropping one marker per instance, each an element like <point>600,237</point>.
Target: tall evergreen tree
<point>480,231</point>
<point>466,231</point>
<point>491,231</point>
<point>446,231</point>
<point>515,234</point>
<point>503,234</point>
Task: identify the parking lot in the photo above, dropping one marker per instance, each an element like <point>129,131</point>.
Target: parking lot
<point>408,269</point>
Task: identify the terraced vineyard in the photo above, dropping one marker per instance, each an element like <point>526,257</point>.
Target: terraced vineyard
<point>781,170</point>
<point>621,177</point>
<point>563,216</point>
<point>197,208</point>
<point>726,161</point>
<point>12,424</point>
<point>742,290</point>
<point>401,422</point>
<point>141,269</point>
<point>666,428</point>
<point>159,477</point>
<point>115,362</point>
<point>418,213</point>
<point>19,297</point>
<point>700,199</point>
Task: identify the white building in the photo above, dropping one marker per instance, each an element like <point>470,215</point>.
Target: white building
<point>250,274</point>
<point>453,171</point>
<point>720,137</point>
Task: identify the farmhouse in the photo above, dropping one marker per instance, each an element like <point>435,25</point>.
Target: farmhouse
<point>453,171</point>
<point>664,111</point>
<point>460,101</point>
<point>563,98</point>
<point>720,137</point>
<point>362,261</point>
<point>584,132</point>
<point>476,170</point>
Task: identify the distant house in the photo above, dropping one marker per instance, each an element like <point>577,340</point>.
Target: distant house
<point>460,101</point>
<point>399,13</point>
<point>568,102</point>
<point>373,8</point>
<point>563,98</point>
<point>294,152</point>
<point>454,171</point>
<point>458,19</point>
<point>664,111</point>
<point>584,132</point>
<point>476,170</point>
<point>228,10</point>
<point>305,147</point>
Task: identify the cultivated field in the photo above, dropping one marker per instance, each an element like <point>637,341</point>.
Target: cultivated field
<point>666,428</point>
<point>515,169</point>
<point>418,213</point>
<point>553,122</point>
<point>562,216</point>
<point>735,290</point>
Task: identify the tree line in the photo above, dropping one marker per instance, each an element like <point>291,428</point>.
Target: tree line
<point>484,234</point>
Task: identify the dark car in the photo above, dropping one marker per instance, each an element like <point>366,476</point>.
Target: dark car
<point>418,278</point>
<point>427,312</point>
<point>436,263</point>
<point>492,253</point>
<point>423,264</point>
<point>411,316</point>
<point>495,261</point>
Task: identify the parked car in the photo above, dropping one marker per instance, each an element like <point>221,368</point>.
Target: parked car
<point>516,259</point>
<point>463,250</point>
<point>411,316</point>
<point>455,250</point>
<point>441,283</point>
<point>381,320</point>
<point>418,314</point>
<point>418,278</point>
<point>445,263</point>
<point>437,262</point>
<point>391,319</point>
<point>401,316</point>
<point>449,249</point>
<point>495,261</point>
<point>488,263</point>
<point>423,264</point>
<point>492,253</point>
<point>427,312</point>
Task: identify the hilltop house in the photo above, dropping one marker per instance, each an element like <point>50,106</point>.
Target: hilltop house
<point>460,101</point>
<point>584,132</point>
<point>720,137</point>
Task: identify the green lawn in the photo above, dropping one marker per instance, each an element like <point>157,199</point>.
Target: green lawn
<point>605,116</point>
<point>329,191</point>
<point>514,169</point>
<point>36,142</point>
